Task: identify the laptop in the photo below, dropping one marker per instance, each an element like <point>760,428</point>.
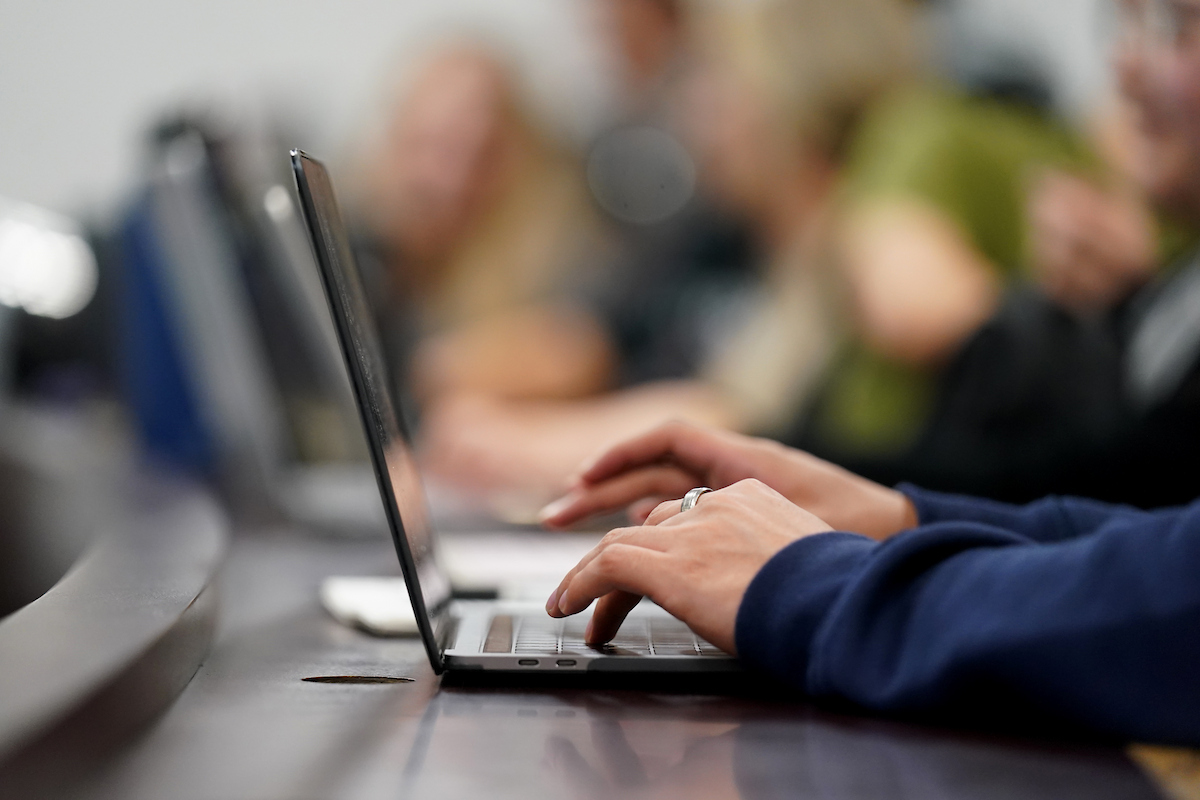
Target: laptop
<point>463,635</point>
<point>225,263</point>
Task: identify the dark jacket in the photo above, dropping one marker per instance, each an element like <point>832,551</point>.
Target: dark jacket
<point>1065,612</point>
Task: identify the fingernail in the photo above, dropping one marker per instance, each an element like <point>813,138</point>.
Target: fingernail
<point>562,603</point>
<point>585,468</point>
<point>555,508</point>
<point>552,603</point>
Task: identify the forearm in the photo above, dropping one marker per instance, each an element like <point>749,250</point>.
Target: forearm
<point>919,286</point>
<point>979,624</point>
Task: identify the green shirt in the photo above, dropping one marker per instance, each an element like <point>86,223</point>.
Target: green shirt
<point>971,159</point>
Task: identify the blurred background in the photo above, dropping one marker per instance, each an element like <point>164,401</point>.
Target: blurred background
<point>82,83</point>
<point>904,235</point>
<point>93,97</point>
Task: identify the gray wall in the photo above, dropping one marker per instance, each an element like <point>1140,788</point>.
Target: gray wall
<point>81,79</point>
<point>1070,40</point>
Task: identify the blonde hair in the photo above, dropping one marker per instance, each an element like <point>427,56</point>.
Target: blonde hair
<point>819,63</point>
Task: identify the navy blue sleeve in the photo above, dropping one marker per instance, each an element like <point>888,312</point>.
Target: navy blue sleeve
<point>1047,520</point>
<point>979,624</point>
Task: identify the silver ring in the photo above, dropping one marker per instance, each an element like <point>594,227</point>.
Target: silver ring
<point>690,499</point>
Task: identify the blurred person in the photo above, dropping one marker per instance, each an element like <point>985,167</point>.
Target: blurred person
<point>953,202</point>
<point>1086,385</point>
<point>682,255</point>
<point>649,39</point>
<point>1090,247</point>
<point>671,254</point>
<point>767,125</point>
<point>480,221</point>
<point>932,232</point>
<point>914,193</point>
<point>1090,243</point>
<point>1139,356</point>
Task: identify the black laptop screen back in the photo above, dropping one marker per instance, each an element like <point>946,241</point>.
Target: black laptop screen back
<point>399,482</point>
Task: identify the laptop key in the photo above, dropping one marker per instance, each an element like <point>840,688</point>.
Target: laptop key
<point>637,637</point>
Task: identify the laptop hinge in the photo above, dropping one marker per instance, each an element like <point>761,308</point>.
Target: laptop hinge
<point>445,628</point>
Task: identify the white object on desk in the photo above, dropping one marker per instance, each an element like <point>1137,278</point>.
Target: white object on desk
<point>377,605</point>
<point>512,563</point>
<point>517,566</point>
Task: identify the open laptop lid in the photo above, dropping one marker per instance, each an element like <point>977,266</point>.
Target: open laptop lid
<point>387,439</point>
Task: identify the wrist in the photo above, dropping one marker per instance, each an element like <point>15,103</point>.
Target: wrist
<point>893,513</point>
<point>908,513</point>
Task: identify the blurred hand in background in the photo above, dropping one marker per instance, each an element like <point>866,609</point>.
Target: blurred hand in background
<point>668,461</point>
<point>1090,247</point>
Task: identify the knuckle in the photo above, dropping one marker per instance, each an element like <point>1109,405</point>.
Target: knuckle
<point>665,507</point>
<point>677,425</point>
<point>609,560</point>
<point>615,537</point>
<point>750,486</point>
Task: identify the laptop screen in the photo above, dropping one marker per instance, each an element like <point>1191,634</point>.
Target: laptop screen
<point>387,438</point>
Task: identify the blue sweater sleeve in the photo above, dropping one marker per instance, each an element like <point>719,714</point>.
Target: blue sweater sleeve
<point>1046,520</point>
<point>979,624</point>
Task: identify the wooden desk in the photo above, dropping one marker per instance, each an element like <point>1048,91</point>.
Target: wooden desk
<point>248,727</point>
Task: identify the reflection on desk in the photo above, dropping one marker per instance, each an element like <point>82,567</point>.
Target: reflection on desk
<point>626,744</point>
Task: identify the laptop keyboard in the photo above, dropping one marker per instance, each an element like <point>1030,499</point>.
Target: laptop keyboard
<point>639,636</point>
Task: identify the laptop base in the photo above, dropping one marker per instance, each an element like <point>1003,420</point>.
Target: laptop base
<point>520,638</point>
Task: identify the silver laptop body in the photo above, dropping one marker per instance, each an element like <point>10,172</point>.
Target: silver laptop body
<point>463,635</point>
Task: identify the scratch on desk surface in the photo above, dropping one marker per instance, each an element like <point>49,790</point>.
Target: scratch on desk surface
<point>356,679</point>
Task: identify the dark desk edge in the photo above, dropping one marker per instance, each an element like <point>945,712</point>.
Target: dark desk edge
<point>109,646</point>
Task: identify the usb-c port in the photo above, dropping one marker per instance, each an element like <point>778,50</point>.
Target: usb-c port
<point>528,662</point>
<point>566,662</point>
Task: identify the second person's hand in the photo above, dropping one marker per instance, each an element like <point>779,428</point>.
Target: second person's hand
<point>666,462</point>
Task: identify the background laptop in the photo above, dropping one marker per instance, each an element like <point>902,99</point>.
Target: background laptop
<point>462,635</point>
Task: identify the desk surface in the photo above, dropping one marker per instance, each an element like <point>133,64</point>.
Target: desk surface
<point>248,727</point>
